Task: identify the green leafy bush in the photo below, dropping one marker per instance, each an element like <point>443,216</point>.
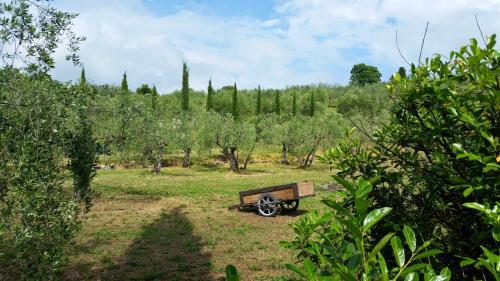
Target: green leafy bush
<point>438,151</point>
<point>339,245</point>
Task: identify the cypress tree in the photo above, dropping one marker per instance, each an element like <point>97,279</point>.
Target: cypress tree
<point>294,105</point>
<point>258,111</point>
<point>210,97</point>
<point>154,98</point>
<point>185,88</point>
<point>83,79</point>
<point>313,105</point>
<point>124,85</point>
<point>277,105</point>
<point>234,108</point>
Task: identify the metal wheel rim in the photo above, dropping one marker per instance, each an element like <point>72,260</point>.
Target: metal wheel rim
<point>267,205</point>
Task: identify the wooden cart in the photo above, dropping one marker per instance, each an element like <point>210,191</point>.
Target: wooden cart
<point>269,200</point>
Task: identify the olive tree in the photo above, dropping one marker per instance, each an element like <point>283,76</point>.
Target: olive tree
<point>40,218</point>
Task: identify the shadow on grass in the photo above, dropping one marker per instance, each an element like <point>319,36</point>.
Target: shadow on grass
<point>166,249</point>
<point>285,213</point>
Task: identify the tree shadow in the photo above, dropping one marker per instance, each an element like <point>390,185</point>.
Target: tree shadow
<point>167,249</point>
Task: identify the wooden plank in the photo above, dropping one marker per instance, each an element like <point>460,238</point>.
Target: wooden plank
<point>306,189</point>
<point>268,189</point>
<point>281,195</point>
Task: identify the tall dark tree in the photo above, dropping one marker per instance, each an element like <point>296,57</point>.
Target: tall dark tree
<point>363,74</point>
<point>312,106</point>
<point>294,104</point>
<point>258,110</point>
<point>186,118</point>
<point>234,106</point>
<point>210,93</point>
<point>83,79</point>
<point>277,103</point>
<point>124,85</point>
<point>154,98</point>
<point>185,88</point>
<point>402,72</point>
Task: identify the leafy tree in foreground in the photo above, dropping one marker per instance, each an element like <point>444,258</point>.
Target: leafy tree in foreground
<point>34,208</point>
<point>338,244</point>
<point>37,217</point>
<point>31,31</point>
<point>362,74</point>
<point>437,158</point>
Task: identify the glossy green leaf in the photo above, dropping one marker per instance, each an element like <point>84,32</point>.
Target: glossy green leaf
<point>398,250</point>
<point>411,240</point>
<point>383,267</point>
<point>414,268</point>
<point>374,216</point>
<point>428,253</point>
<point>411,277</point>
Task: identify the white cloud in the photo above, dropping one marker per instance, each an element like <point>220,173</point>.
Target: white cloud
<point>306,41</point>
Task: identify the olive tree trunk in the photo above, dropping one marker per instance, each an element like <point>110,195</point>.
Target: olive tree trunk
<point>284,159</point>
<point>186,162</point>
<point>157,164</point>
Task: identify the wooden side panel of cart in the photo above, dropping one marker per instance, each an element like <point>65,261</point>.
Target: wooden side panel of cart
<point>285,192</point>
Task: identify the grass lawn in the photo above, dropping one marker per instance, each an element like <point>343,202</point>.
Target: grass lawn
<point>177,226</point>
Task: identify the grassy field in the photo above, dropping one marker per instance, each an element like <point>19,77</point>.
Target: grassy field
<point>177,226</point>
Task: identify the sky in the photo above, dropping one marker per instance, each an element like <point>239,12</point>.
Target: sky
<point>272,43</point>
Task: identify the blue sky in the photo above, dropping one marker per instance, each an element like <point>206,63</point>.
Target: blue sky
<point>262,42</point>
<point>261,9</point>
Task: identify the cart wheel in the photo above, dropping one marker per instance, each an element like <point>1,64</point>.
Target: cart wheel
<point>267,205</point>
<point>290,205</point>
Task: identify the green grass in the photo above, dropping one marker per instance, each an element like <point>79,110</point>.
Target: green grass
<point>177,226</point>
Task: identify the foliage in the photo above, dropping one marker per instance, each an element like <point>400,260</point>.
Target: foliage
<point>277,103</point>
<point>338,244</point>
<point>294,104</point>
<point>438,151</point>
<point>83,79</point>
<point>185,88</point>
<point>363,74</point>
<point>258,109</point>
<point>35,211</point>
<point>81,147</point>
<point>312,106</point>
<point>31,31</point>
<point>143,90</point>
<point>235,111</point>
<point>210,93</point>
<point>402,72</point>
<point>124,84</point>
